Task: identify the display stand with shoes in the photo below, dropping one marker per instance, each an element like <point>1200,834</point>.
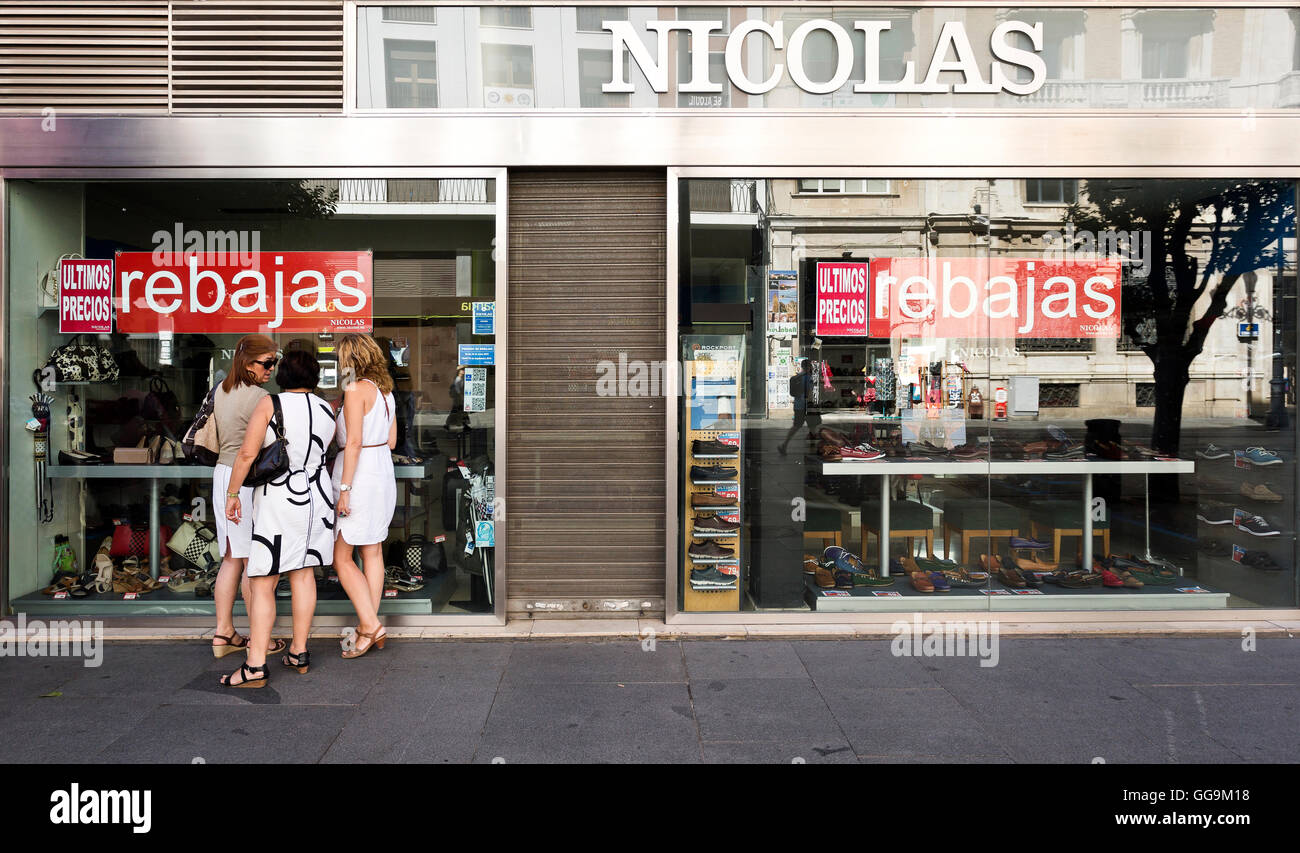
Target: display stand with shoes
<point>712,472</point>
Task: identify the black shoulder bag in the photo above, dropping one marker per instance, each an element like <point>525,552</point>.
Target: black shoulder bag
<point>272,460</point>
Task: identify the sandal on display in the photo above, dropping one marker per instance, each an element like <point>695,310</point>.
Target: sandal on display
<point>375,639</point>
<point>300,662</point>
<point>249,677</point>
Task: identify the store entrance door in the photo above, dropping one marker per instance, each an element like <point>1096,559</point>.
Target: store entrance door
<point>585,501</point>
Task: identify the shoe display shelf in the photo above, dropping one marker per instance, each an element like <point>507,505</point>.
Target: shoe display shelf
<point>704,579</point>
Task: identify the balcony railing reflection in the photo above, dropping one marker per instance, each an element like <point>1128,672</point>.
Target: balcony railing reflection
<point>1127,94</point>
<point>411,190</point>
<point>723,196</point>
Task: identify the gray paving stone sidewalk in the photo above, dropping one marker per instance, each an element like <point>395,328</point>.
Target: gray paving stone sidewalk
<point>816,701</point>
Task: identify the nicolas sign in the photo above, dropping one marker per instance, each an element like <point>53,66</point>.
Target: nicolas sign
<point>953,52</point>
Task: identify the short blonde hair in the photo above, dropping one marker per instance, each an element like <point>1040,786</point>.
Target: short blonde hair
<point>366,360</point>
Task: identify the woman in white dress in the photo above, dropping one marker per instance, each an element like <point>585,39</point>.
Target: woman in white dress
<point>367,434</point>
<point>236,397</point>
<point>293,515</point>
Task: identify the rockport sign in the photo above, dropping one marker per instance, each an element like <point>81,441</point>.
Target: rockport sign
<point>953,53</point>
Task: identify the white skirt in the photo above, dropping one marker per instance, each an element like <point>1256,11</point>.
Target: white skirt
<point>374,497</point>
<point>241,534</point>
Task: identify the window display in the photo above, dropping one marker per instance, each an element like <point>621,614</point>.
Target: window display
<point>911,438</point>
<point>122,427</point>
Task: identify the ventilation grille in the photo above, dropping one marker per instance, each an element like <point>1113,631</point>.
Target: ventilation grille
<point>78,57</point>
<point>247,55</point>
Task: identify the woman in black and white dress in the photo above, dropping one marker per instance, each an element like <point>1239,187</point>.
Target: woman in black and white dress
<point>293,516</point>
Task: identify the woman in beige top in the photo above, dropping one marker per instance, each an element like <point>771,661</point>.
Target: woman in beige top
<point>233,404</point>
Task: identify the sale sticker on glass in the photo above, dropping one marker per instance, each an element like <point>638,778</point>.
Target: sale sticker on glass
<point>842,299</point>
<point>267,292</point>
<point>85,296</point>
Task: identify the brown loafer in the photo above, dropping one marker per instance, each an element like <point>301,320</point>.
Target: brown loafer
<point>922,582</point>
<point>1010,577</point>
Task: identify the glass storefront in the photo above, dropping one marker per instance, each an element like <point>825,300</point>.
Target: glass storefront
<point>98,485</point>
<point>987,394</point>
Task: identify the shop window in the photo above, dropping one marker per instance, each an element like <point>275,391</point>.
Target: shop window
<point>595,69</point>
<point>411,14</point>
<point>847,399</point>
<point>412,69</point>
<point>508,65</point>
<point>1051,191</point>
<point>111,496</point>
<point>591,17</point>
<point>1058,395</point>
<point>513,17</point>
<point>830,186</point>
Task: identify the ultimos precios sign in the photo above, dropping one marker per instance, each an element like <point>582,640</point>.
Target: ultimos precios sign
<point>270,292</point>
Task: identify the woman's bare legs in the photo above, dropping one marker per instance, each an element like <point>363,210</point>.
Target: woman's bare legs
<point>229,578</point>
<point>261,618</point>
<point>302,583</point>
<point>372,558</point>
<point>356,586</point>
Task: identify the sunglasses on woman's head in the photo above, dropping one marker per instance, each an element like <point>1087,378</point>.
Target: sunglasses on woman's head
<point>268,363</point>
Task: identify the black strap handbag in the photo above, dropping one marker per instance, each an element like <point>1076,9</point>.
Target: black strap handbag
<point>272,461</point>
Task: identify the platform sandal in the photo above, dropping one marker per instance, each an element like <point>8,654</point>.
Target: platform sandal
<point>376,639</point>
<point>251,678</point>
<point>300,662</point>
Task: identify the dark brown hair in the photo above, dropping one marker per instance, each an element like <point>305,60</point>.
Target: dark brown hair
<point>248,348</point>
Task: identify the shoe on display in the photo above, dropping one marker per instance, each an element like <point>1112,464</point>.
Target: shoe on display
<point>1260,456</point>
<point>862,452</point>
<point>1212,451</point>
<point>1107,450</point>
<point>713,524</point>
<point>925,448</point>
<point>1260,560</point>
<point>1214,512</point>
<point>712,578</point>
<point>843,560</point>
<point>1260,492</point>
<point>1027,544</point>
<point>712,500</point>
<point>710,550</point>
<point>713,447</point>
<point>1257,526</point>
<point>824,578</point>
<point>1069,451</point>
<point>970,451</point>
<point>712,474</point>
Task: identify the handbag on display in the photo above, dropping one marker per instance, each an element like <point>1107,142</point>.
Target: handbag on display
<point>272,460</point>
<point>156,449</point>
<point>132,540</point>
<point>423,557</point>
<point>161,405</point>
<point>77,361</point>
<point>200,444</point>
<point>196,545</point>
<point>50,281</point>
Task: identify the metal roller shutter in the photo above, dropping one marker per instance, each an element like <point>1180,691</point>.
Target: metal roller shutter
<point>250,55</point>
<point>77,57</point>
<point>585,502</point>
